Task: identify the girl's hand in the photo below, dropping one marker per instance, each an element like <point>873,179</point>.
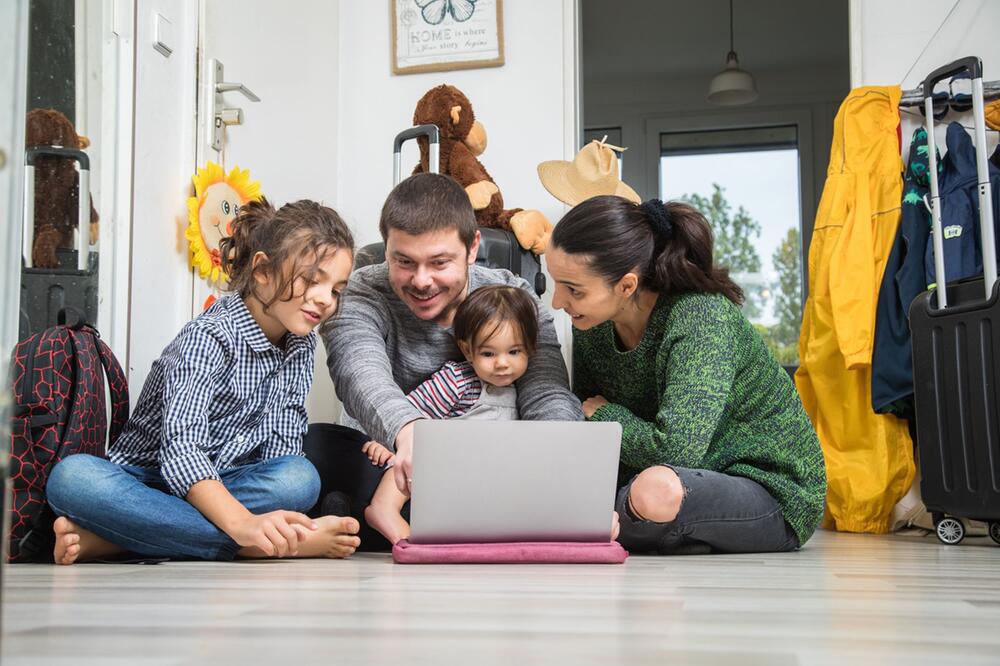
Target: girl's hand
<point>377,453</point>
<point>591,405</point>
<point>272,532</point>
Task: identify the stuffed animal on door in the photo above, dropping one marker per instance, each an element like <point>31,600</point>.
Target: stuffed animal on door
<point>463,139</point>
<point>56,186</point>
<point>217,201</point>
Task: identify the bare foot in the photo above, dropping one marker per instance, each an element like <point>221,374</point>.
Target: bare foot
<point>73,543</point>
<point>336,537</point>
<point>385,518</point>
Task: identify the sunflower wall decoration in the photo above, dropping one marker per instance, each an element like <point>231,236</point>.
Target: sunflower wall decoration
<point>217,201</point>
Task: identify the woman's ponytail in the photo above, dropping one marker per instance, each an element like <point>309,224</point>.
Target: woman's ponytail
<point>684,262</point>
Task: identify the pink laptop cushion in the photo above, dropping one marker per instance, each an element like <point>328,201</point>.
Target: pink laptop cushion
<point>532,552</point>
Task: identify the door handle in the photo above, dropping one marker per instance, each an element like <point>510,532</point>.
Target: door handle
<point>236,87</point>
<point>221,115</point>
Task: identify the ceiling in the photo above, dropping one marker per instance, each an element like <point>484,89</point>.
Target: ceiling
<point>639,39</point>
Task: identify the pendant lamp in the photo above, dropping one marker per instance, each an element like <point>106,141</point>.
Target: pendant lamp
<point>732,86</point>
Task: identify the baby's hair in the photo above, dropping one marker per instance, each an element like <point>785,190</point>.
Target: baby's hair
<point>487,309</point>
<point>305,231</point>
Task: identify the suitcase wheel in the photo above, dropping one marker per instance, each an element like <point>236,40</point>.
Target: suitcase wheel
<point>995,531</point>
<point>950,531</point>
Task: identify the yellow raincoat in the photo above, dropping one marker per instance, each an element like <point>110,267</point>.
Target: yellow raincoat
<point>869,457</point>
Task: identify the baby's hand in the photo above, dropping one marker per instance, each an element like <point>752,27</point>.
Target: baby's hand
<point>377,453</point>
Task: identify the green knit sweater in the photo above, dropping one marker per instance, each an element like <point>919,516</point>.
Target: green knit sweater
<point>702,391</point>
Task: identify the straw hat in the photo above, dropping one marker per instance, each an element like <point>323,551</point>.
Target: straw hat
<point>593,172</point>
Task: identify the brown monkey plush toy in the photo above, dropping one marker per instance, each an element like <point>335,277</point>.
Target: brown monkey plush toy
<point>463,139</point>
<point>56,186</point>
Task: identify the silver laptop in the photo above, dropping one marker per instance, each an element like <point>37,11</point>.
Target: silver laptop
<point>492,481</point>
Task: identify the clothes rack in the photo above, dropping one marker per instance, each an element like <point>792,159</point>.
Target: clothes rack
<point>915,97</point>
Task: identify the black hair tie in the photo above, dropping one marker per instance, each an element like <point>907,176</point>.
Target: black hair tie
<point>659,218</point>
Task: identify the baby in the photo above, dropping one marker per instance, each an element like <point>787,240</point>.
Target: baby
<point>495,328</point>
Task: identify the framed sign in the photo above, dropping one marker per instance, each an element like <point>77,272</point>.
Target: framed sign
<point>443,35</point>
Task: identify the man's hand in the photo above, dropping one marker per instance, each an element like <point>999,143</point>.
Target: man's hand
<point>272,532</point>
<point>591,405</point>
<point>403,464</point>
<point>378,454</point>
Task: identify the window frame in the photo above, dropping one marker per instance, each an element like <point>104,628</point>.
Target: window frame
<point>801,118</point>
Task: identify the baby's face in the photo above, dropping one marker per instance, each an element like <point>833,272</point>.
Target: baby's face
<point>502,359</point>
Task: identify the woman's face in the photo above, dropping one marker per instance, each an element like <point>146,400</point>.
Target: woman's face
<point>583,294</point>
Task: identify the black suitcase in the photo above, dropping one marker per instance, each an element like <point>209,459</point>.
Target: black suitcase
<point>498,248</point>
<point>956,364</point>
<point>74,283</point>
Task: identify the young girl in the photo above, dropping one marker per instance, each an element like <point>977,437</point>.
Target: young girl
<point>495,329</point>
<point>210,465</point>
<point>718,453</point>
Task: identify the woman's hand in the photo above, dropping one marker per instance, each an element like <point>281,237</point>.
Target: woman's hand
<point>377,453</point>
<point>591,405</point>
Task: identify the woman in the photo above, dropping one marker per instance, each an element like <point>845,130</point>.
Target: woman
<point>717,452</point>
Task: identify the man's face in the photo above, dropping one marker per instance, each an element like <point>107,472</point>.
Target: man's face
<point>430,272</point>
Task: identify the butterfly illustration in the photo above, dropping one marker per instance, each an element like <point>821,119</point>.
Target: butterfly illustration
<point>434,11</point>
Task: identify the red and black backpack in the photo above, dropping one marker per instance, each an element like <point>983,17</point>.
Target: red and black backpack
<point>59,409</point>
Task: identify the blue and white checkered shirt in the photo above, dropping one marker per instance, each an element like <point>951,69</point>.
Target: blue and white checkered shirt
<point>221,395</point>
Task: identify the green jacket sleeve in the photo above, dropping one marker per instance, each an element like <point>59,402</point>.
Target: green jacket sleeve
<point>698,370</point>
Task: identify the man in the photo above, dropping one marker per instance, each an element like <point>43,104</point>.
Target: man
<point>393,329</point>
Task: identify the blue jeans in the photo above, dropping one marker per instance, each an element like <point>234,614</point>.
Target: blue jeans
<point>132,507</point>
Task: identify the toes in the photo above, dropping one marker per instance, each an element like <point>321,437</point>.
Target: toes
<point>338,552</point>
<point>62,525</point>
<point>349,525</point>
<point>69,555</point>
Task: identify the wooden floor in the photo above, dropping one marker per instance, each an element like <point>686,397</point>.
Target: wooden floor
<point>844,599</point>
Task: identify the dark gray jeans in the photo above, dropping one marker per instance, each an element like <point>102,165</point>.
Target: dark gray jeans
<point>720,513</point>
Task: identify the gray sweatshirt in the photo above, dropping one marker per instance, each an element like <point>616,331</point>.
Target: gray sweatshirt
<point>378,351</point>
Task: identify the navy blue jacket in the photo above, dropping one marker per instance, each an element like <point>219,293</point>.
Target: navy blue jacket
<point>904,280</point>
<point>959,189</point>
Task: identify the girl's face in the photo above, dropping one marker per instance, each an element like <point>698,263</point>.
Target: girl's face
<point>584,295</point>
<point>315,296</point>
<point>500,360</point>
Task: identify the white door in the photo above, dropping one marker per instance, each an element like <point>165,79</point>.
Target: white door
<point>287,54</point>
<point>160,300</point>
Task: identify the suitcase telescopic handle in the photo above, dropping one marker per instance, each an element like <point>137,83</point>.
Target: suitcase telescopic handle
<point>433,135</point>
<point>83,210</point>
<point>971,64</point>
<point>974,66</point>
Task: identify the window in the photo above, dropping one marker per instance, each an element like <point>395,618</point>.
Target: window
<point>746,182</point>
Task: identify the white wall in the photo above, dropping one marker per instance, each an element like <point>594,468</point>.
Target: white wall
<point>899,43</point>
<point>289,56</point>
<point>522,105</point>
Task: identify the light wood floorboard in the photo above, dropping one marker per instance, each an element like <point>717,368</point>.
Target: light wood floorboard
<point>844,599</point>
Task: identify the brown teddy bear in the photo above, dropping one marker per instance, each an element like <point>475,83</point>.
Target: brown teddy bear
<point>463,139</point>
<point>56,186</point>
